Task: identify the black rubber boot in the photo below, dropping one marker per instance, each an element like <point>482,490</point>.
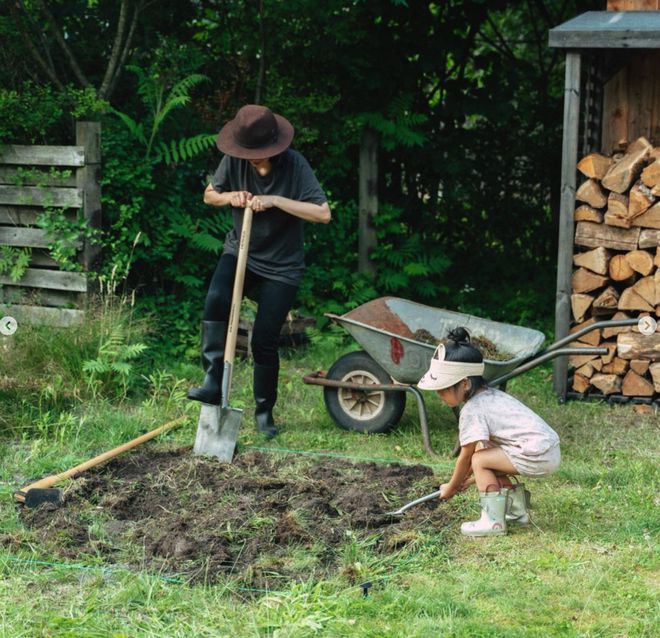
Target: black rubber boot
<point>214,334</point>
<point>265,395</point>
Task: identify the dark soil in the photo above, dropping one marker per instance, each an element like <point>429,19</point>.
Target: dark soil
<point>265,519</point>
<point>487,348</point>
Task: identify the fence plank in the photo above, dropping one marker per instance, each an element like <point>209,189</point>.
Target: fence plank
<point>41,257</point>
<point>19,215</point>
<point>35,196</point>
<point>42,155</point>
<point>26,216</point>
<point>38,315</point>
<point>54,279</point>
<point>27,237</point>
<point>40,297</point>
<point>36,177</point>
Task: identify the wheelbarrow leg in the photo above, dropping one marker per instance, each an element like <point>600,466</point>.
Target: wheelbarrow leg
<point>423,419</point>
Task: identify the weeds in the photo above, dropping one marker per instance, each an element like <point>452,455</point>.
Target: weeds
<point>166,392</point>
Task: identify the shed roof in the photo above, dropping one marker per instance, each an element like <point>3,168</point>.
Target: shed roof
<point>609,30</point>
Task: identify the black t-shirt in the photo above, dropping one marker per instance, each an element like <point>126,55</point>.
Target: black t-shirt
<point>276,242</point>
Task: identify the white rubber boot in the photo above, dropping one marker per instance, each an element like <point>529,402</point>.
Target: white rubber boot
<point>493,516</point>
<point>517,509</point>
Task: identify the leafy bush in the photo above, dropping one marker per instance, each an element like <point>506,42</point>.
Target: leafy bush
<point>42,114</point>
<point>405,260</point>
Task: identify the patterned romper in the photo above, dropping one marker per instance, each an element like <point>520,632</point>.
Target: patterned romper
<point>495,418</point>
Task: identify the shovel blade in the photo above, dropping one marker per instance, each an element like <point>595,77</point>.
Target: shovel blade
<point>217,432</point>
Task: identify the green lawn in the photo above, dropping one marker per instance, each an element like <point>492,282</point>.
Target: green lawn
<point>587,566</point>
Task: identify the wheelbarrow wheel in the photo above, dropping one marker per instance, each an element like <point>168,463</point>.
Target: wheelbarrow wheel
<point>362,410</point>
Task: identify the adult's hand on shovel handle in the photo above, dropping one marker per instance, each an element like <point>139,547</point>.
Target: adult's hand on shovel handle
<point>260,203</point>
<point>240,199</point>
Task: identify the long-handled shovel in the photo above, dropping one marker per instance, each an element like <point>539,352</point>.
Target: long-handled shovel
<point>402,510</point>
<point>218,426</point>
<point>42,491</point>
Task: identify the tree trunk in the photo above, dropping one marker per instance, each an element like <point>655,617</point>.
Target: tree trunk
<point>368,200</point>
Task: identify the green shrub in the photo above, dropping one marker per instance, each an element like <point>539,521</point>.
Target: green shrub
<point>42,114</point>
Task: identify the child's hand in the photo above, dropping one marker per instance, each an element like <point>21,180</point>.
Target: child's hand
<point>446,492</point>
<point>466,484</point>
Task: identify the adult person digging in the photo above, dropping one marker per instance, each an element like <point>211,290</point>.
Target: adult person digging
<point>258,170</point>
<point>499,436</point>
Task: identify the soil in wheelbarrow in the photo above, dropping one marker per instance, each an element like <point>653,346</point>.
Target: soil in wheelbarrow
<point>263,521</point>
<point>488,349</point>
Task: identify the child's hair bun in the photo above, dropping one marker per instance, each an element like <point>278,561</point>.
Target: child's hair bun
<point>459,336</point>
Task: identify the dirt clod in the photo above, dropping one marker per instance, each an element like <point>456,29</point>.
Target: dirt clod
<point>264,519</point>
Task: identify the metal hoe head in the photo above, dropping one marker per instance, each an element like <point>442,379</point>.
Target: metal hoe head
<point>39,495</point>
<point>217,432</point>
<point>402,510</point>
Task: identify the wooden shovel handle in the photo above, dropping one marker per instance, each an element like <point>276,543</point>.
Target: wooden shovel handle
<point>239,279</point>
<point>51,480</point>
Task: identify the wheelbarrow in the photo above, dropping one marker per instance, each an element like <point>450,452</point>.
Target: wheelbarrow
<point>366,390</point>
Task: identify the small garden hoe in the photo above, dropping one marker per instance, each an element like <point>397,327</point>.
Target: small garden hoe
<point>218,426</point>
<point>42,491</point>
<point>402,510</point>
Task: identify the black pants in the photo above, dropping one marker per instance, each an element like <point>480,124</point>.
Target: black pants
<point>274,301</point>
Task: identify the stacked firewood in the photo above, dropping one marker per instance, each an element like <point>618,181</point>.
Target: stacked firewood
<point>617,270</point>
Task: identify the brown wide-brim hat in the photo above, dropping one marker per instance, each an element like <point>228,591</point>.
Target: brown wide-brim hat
<point>255,133</point>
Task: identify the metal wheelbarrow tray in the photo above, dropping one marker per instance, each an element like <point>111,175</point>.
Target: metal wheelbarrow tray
<point>366,390</point>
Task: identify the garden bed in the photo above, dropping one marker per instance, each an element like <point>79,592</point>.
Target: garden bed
<point>265,520</point>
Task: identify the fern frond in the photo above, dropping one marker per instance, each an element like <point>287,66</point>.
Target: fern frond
<point>189,281</point>
<point>136,130</point>
<point>121,367</point>
<point>134,350</point>
<point>220,223</point>
<point>416,269</point>
<point>170,104</point>
<point>426,288</point>
<point>95,366</point>
<point>184,86</point>
<point>184,149</point>
<point>207,242</point>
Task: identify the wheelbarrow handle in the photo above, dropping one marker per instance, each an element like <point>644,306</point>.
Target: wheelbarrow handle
<point>611,323</point>
<point>547,355</point>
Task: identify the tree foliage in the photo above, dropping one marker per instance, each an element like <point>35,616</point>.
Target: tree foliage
<point>465,95</point>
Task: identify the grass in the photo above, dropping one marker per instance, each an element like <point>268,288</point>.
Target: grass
<point>587,567</point>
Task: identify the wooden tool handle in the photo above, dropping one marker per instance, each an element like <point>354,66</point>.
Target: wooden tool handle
<point>237,296</point>
<point>51,480</point>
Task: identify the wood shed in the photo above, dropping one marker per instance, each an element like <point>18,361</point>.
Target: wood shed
<point>609,228</point>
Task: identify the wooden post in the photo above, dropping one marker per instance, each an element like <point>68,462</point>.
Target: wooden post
<point>368,202</point>
<point>88,180</point>
<point>566,208</point>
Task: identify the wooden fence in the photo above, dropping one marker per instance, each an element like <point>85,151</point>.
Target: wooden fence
<point>38,178</point>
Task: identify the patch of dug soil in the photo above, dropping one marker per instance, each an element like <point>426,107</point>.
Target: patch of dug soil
<point>264,519</point>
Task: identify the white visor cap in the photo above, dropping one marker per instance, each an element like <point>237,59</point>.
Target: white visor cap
<point>444,374</point>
